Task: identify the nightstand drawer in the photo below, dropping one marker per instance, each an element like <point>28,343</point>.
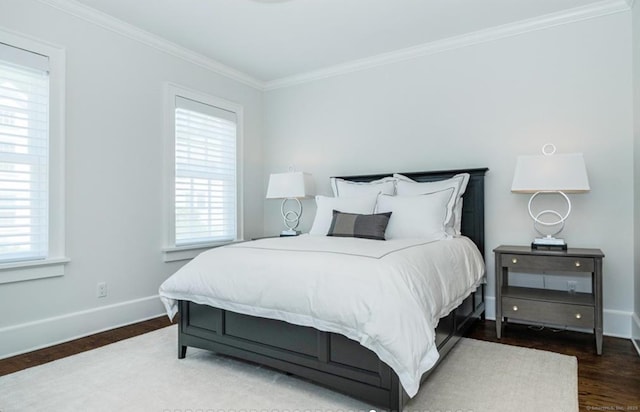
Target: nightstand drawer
<point>548,263</point>
<point>548,312</point>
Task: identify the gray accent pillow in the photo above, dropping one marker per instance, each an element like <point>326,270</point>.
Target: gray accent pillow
<point>362,226</point>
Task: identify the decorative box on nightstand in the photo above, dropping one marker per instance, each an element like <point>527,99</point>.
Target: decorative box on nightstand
<point>580,310</point>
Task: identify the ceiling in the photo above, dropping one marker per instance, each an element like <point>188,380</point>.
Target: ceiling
<point>271,40</point>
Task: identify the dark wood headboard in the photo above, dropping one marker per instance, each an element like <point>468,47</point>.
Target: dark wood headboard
<point>473,198</point>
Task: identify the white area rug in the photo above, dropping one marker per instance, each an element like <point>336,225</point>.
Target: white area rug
<point>144,374</point>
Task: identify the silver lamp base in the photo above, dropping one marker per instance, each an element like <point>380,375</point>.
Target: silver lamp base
<point>548,243</point>
<point>289,232</point>
<point>291,218</point>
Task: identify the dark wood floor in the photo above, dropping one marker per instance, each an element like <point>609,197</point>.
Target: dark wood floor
<point>63,350</point>
<point>610,382</point>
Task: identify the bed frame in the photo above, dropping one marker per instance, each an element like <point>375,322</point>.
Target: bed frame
<point>331,359</point>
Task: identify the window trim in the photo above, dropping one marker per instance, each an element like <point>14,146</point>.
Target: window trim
<point>54,264</point>
<point>170,251</point>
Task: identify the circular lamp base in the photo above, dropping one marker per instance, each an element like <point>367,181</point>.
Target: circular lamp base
<point>539,224</point>
<point>291,218</point>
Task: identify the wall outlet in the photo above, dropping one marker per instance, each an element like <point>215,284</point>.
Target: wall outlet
<point>102,290</point>
<point>572,285</point>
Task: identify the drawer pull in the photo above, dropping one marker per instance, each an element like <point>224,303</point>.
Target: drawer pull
<point>514,260</point>
<point>515,308</point>
<point>578,316</point>
<point>577,263</point>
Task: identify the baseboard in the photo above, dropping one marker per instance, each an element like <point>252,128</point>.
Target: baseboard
<point>27,337</point>
<point>616,323</point>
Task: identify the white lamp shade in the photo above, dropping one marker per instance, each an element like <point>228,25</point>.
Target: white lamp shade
<point>556,172</point>
<point>290,185</point>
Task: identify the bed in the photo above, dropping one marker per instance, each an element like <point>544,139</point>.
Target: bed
<point>333,356</point>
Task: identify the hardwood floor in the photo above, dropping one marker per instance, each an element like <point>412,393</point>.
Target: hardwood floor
<point>610,382</point>
<point>39,357</point>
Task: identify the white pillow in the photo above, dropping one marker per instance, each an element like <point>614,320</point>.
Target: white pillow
<point>422,216</point>
<point>406,186</point>
<point>347,188</point>
<point>362,205</point>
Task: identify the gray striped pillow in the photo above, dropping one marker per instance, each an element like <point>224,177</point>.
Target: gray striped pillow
<point>362,226</point>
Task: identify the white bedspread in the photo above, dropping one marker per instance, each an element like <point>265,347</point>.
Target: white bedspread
<point>387,295</point>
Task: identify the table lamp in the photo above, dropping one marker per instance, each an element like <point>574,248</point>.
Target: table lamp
<point>290,186</point>
<point>550,173</point>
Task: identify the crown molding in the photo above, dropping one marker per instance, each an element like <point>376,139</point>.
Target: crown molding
<point>108,22</point>
<point>598,9</point>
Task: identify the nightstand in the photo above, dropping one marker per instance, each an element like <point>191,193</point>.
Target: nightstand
<point>572,309</point>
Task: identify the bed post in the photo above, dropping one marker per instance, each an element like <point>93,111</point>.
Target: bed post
<point>184,315</point>
<point>397,395</point>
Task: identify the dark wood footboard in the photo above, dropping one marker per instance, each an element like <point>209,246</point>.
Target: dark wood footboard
<point>325,358</point>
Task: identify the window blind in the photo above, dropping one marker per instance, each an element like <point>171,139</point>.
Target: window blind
<point>24,155</point>
<point>205,173</point>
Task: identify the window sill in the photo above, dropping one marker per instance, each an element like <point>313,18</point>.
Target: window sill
<point>174,254</point>
<point>31,270</point>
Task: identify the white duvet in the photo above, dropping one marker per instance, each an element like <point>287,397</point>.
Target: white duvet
<point>387,295</point>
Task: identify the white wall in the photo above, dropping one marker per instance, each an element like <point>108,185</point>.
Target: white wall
<point>114,179</point>
<point>482,105</point>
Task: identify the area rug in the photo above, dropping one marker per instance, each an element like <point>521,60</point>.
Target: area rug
<point>144,374</point>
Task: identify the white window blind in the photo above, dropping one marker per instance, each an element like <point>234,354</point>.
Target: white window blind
<point>24,155</point>
<point>205,173</point>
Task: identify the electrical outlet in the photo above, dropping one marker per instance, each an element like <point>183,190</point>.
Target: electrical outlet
<point>102,290</point>
<point>571,286</point>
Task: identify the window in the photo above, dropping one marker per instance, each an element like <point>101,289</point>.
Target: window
<point>31,215</point>
<point>24,155</point>
<point>204,136</point>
